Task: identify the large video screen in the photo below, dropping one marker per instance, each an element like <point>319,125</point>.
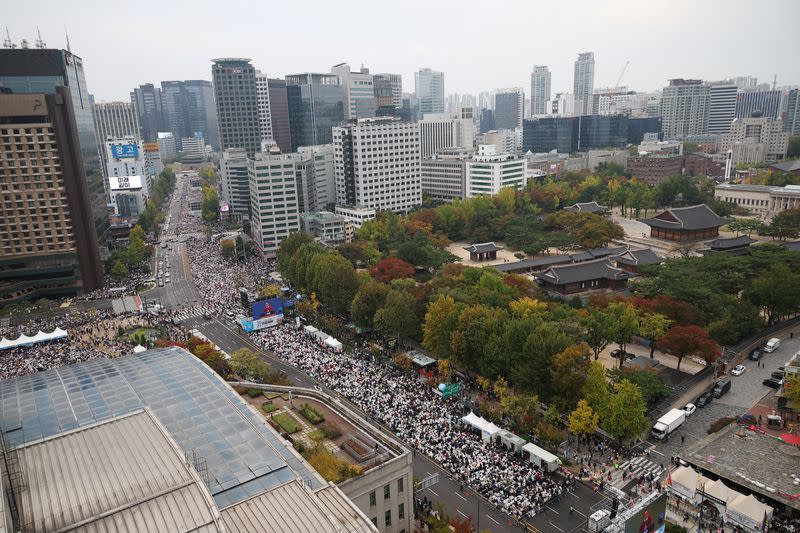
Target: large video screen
<point>267,308</point>
<point>651,519</point>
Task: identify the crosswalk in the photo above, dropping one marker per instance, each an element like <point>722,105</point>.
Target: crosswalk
<point>635,468</point>
<point>196,311</point>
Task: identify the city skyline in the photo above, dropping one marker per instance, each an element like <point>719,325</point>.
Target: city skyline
<point>113,73</point>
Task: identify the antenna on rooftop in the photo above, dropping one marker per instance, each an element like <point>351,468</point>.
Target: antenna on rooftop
<point>39,42</point>
<point>7,42</point>
<point>69,49</point>
<point>774,81</point>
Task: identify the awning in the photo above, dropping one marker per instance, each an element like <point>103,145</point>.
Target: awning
<point>748,512</point>
<point>683,480</point>
<point>788,438</point>
<point>333,343</point>
<point>25,340</point>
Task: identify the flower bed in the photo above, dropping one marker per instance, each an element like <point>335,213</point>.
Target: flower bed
<point>311,414</point>
<point>286,423</point>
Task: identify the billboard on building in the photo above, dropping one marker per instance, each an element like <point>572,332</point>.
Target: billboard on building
<point>151,147</point>
<point>124,183</point>
<point>255,325</point>
<point>267,308</point>
<point>124,151</point>
<point>651,519</point>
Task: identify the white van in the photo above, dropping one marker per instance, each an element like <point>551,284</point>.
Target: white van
<point>772,344</point>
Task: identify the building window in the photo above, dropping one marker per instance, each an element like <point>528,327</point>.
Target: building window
<point>401,511</point>
<point>387,520</point>
<point>372,500</point>
<point>375,521</point>
<point>400,485</point>
<point>386,492</point>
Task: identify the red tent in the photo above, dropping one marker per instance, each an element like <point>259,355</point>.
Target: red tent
<point>788,438</point>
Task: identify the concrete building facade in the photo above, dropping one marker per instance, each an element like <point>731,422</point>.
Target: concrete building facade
<point>684,108</point>
<point>721,107</point>
<point>792,125</point>
<point>114,120</point>
<point>359,91</point>
<point>583,83</point>
<point>443,175</point>
<point>509,108</point>
<point>235,182</point>
<point>321,176</point>
<point>388,90</point>
<point>764,201</point>
<point>768,103</point>
<point>540,90</point>
<point>237,104</point>
<point>264,114</point>
<point>274,199</point>
<point>488,171</point>
<point>377,164</point>
<point>755,140</point>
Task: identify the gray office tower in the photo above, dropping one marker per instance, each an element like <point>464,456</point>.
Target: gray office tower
<point>279,114</point>
<point>237,104</point>
<point>721,107</point>
<point>28,70</point>
<point>316,105</point>
<point>767,102</point>
<point>147,102</point>
<point>540,90</point>
<point>583,83</point>
<point>188,108</point>
<point>429,87</point>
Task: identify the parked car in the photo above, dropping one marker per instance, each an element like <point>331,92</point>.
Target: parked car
<point>721,388</point>
<point>704,399</point>
<point>689,409</point>
<point>777,375</point>
<point>622,353</point>
<point>755,355</point>
<point>207,316</point>
<point>773,383</point>
<point>738,370</point>
<point>772,344</point>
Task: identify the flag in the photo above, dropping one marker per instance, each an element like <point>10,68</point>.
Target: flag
<point>669,478</point>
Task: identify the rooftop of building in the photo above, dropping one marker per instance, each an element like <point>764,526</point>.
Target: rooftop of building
<point>693,217</point>
<point>748,187</point>
<point>323,216</point>
<point>587,207</point>
<point>483,247</point>
<point>583,271</point>
<point>645,256</point>
<point>758,462</point>
<point>731,243</point>
<point>243,455</point>
<point>787,166</point>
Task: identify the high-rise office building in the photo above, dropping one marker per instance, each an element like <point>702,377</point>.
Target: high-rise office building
<point>167,145</point>
<point>509,108</point>
<point>445,131</point>
<point>583,83</point>
<point>768,103</point>
<point>562,104</point>
<point>540,90</point>
<point>410,110</point>
<point>146,100</point>
<point>279,114</point>
<point>359,91</point>
<point>114,120</point>
<point>792,124</point>
<point>486,121</point>
<point>188,109</point>
<point>235,182</point>
<point>573,134</point>
<point>489,171</point>
<point>429,87</point>
<point>684,108</point>
<point>387,177</point>
<point>29,70</point>
<point>264,113</point>
<point>237,104</point>
<point>721,107</point>
<point>321,177</point>
<point>49,242</point>
<point>388,90</point>
<point>755,140</point>
<point>442,176</point>
<point>274,208</point>
<point>316,105</point>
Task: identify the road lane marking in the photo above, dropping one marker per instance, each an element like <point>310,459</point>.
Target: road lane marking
<point>459,512</point>
<point>430,489</point>
<point>492,519</point>
<point>558,528</point>
<point>460,496</point>
<point>553,510</point>
<point>658,452</point>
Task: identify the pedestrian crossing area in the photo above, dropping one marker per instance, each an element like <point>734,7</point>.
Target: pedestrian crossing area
<point>195,311</point>
<point>630,471</point>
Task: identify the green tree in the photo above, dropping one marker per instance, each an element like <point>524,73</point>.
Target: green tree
<point>246,363</point>
<point>653,326</point>
<point>209,206</point>
<point>398,318</point>
<point>595,388</point>
<point>228,249</point>
<point>287,249</point>
<point>336,282</point>
<point>441,319</point>
<point>569,373</point>
<point>625,412</point>
<point>784,225</point>
<point>370,297</point>
<point>651,386</point>
<point>776,292</point>
<point>583,420</point>
<point>533,371</point>
<point>599,327</point>
<point>745,225</point>
<point>625,324</point>
<point>119,270</point>
<point>521,408</point>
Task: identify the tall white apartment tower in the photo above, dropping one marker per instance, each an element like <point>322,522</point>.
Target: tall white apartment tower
<point>583,83</point>
<point>540,90</point>
<point>264,113</point>
<point>377,164</point>
<point>684,108</point>
<point>114,120</point>
<point>359,91</point>
<point>721,107</point>
<point>429,86</point>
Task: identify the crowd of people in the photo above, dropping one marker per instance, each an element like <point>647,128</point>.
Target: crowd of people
<point>411,410</point>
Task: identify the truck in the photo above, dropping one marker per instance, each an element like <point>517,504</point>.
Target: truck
<point>772,345</point>
<point>668,423</point>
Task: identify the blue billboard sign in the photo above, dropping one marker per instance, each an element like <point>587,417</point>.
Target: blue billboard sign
<point>267,308</point>
<point>120,151</point>
<point>198,135</point>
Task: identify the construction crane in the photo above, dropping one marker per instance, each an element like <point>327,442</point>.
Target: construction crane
<point>622,73</point>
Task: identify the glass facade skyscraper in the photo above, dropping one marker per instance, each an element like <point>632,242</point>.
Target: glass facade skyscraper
<point>28,70</point>
<point>147,101</point>
<point>188,108</point>
<point>429,86</point>
<point>573,134</point>
<point>237,104</point>
<point>316,105</point>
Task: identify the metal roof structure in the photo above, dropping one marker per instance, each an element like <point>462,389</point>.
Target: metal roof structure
<point>645,256</point>
<point>293,507</point>
<point>483,247</point>
<point>731,243</point>
<point>239,455</point>
<point>587,207</point>
<point>695,217</point>
<point>123,474</point>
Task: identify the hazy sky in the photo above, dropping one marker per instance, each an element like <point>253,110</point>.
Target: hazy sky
<point>479,45</point>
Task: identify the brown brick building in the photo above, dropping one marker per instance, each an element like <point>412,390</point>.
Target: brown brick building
<point>655,168</point>
<point>49,242</point>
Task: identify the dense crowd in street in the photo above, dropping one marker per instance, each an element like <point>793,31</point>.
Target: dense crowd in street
<point>422,419</point>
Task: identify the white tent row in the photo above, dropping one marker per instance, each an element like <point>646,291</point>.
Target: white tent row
<point>333,343</point>
<point>25,340</point>
<point>541,457</point>
<point>488,429</point>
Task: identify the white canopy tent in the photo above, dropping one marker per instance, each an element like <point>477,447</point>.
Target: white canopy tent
<point>683,481</point>
<point>139,349</point>
<point>748,512</point>
<point>488,429</point>
<point>333,343</point>
<point>510,440</point>
<point>541,457</point>
<point>310,329</point>
<point>25,340</point>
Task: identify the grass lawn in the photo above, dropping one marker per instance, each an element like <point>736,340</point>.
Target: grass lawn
<point>272,395</point>
<point>269,407</point>
<point>317,434</point>
<point>311,414</point>
<point>286,422</point>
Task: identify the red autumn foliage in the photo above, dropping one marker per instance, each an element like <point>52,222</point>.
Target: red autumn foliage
<point>390,268</point>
